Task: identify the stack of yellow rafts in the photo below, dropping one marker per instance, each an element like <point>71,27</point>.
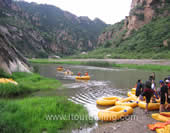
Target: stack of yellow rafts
<point>5,80</point>
<point>107,101</point>
<point>115,113</point>
<point>121,109</point>
<point>132,93</point>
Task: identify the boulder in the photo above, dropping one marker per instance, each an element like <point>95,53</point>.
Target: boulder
<point>11,60</point>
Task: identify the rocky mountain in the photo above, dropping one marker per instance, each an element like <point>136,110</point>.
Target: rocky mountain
<point>146,29</point>
<point>10,58</point>
<point>39,30</point>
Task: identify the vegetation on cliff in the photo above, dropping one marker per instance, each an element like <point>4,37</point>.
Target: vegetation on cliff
<point>143,34</point>
<point>151,41</point>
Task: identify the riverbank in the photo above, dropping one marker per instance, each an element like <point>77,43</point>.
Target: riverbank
<point>154,65</point>
<point>22,113</point>
<point>27,83</point>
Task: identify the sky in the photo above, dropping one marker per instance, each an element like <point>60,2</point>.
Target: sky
<point>110,11</point>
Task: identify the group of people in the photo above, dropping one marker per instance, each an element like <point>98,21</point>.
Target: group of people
<point>85,74</point>
<point>151,92</point>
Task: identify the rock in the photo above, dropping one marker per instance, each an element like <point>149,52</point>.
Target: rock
<point>108,55</point>
<point>84,53</point>
<point>165,43</point>
<point>10,59</point>
<point>5,3</point>
<point>4,30</point>
<point>142,12</point>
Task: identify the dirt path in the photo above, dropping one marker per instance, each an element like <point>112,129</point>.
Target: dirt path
<point>124,61</point>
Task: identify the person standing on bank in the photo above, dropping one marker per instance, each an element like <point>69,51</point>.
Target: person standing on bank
<point>152,76</point>
<point>139,88</point>
<point>163,94</point>
<point>148,93</point>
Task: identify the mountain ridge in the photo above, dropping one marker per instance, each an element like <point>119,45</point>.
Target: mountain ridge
<point>42,30</point>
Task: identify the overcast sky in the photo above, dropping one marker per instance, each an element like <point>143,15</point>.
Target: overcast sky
<point>110,11</point>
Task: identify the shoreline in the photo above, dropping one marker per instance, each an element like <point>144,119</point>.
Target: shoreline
<point>144,64</point>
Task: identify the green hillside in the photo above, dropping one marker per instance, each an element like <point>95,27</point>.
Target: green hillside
<point>152,40</point>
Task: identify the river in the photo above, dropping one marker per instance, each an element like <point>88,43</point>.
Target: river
<point>104,82</point>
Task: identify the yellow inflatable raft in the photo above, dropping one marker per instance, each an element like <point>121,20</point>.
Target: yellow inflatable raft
<point>106,101</point>
<point>133,90</point>
<point>115,113</point>
<point>151,106</point>
<point>60,68</point>
<point>166,129</point>
<point>164,116</point>
<point>83,77</point>
<point>5,80</point>
<point>130,101</point>
<point>131,94</point>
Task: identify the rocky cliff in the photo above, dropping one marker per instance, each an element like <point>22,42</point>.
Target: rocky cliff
<point>141,13</point>
<point>10,58</point>
<point>43,30</point>
<point>5,3</point>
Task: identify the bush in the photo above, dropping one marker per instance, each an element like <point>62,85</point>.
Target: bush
<point>4,74</point>
<point>98,64</point>
<point>11,90</point>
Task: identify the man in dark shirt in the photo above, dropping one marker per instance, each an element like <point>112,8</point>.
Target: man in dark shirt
<point>163,94</point>
<point>139,88</point>
<point>148,93</point>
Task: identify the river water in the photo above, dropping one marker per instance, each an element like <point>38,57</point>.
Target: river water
<point>104,82</point>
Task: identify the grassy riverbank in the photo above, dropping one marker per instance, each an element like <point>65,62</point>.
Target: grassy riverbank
<point>105,64</point>
<point>37,114</point>
<point>27,83</point>
<point>34,115</point>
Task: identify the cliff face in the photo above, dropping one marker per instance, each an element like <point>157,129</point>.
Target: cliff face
<point>142,12</point>
<point>43,30</point>
<point>10,59</point>
<point>5,3</point>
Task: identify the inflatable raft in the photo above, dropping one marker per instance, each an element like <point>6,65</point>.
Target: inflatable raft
<point>151,106</point>
<point>83,77</point>
<point>164,116</point>
<point>132,93</point>
<point>115,113</point>
<point>130,101</point>
<point>106,101</point>
<point>68,73</point>
<point>5,80</point>
<point>60,68</point>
